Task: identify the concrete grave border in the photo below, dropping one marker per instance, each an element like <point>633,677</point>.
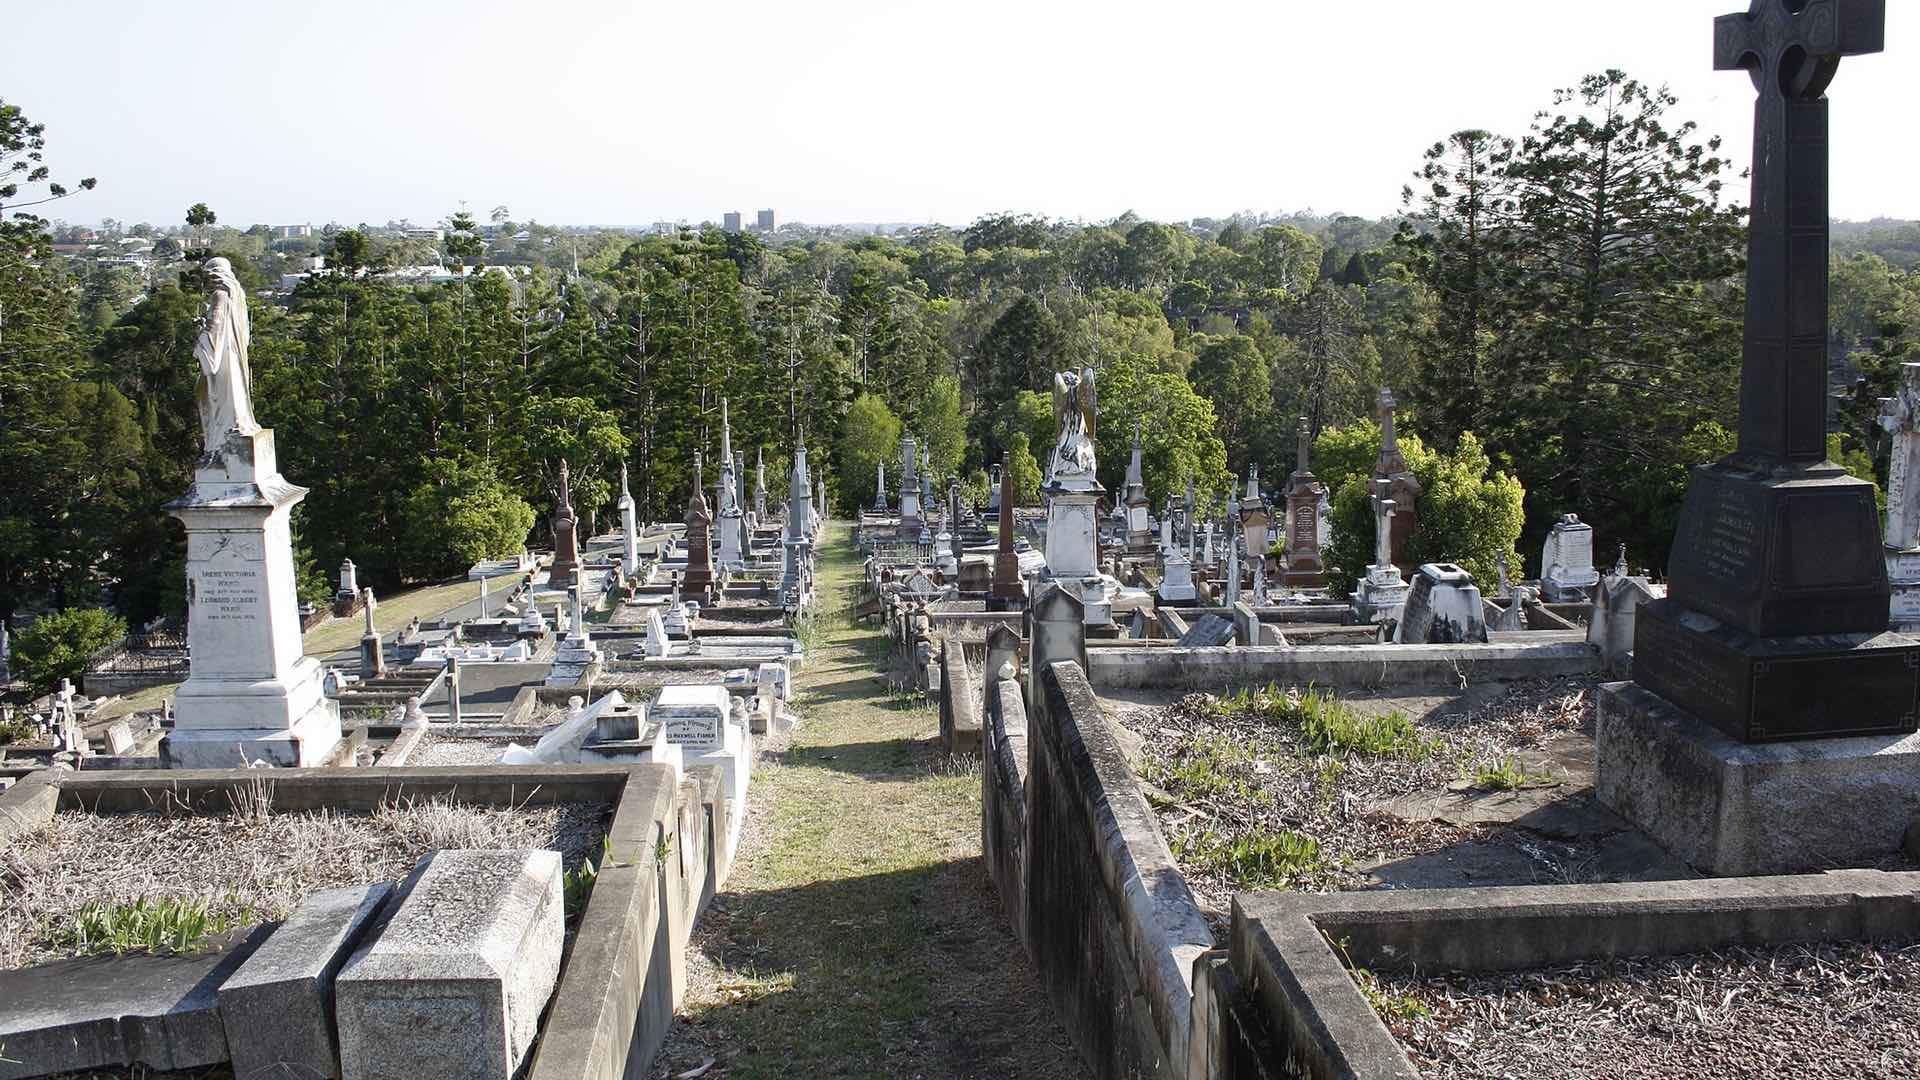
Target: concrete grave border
<point>620,979</point>
<point>1299,991</point>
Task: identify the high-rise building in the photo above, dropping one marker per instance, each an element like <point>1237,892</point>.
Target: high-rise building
<point>765,224</point>
<point>730,221</point>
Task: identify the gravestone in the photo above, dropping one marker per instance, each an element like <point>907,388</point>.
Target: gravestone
<point>698,577</point>
<point>1778,594</point>
<point>1900,415</point>
<point>278,1007</point>
<point>1381,591</point>
<point>1073,493</point>
<point>1442,608</point>
<point>1008,590</point>
<point>879,488</point>
<point>1209,632</point>
<point>629,533</point>
<point>1254,516</point>
<point>251,694</point>
<point>373,657</point>
<point>349,584</point>
<point>1405,491</point>
<point>909,486</point>
<point>566,535</point>
<point>1567,574</point>
<point>1304,492</point>
<point>694,717</point>
<point>454,978</point>
<point>760,483</point>
<point>797,545</point>
<point>1139,527</point>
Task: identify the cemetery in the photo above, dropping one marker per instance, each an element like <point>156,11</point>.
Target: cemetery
<point>1101,758</point>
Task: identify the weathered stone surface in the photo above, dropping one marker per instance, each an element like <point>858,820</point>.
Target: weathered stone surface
<point>454,978</point>
<point>1210,631</point>
<point>1442,608</point>
<point>278,1007</point>
<point>1732,808</point>
<point>107,1011</point>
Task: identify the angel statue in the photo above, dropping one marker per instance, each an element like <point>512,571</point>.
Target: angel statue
<point>1074,410</point>
<point>226,380</point>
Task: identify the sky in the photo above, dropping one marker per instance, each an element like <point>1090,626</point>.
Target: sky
<point>622,112</point>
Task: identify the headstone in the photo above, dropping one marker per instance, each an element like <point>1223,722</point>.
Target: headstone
<point>1008,590</point>
<point>880,487</point>
<point>454,979</point>
<point>1211,631</point>
<point>760,482</point>
<point>773,681</point>
<point>1381,592</point>
<point>1616,603</point>
<point>1254,516</point>
<point>1514,615</point>
<point>909,486</point>
<point>251,694</point>
<point>1567,574</point>
<point>1442,608</point>
<point>698,577</point>
<point>694,716</point>
<point>1304,492</point>
<point>1056,629</point>
<point>629,531</point>
<point>278,1007</point>
<point>1139,528</point>
<point>349,582</point>
<point>1775,623</point>
<point>119,738</point>
<point>656,643</point>
<point>566,535</point>
<point>797,544</point>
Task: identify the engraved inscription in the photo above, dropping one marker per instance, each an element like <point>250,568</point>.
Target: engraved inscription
<point>228,595</point>
<point>1728,544</point>
<point>1690,673</point>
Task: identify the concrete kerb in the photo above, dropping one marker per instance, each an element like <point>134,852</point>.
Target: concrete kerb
<point>607,1007</point>
<point>1282,943</point>
<point>1336,665</point>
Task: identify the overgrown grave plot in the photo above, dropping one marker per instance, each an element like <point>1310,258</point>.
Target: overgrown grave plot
<point>211,849</point>
<point>1297,788</point>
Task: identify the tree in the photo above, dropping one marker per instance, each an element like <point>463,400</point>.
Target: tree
<point>869,436</point>
<point>1231,373</point>
<point>1024,468</point>
<point>1180,435</point>
<point>1021,351</point>
<point>22,164</point>
<point>942,427</point>
<point>460,514</point>
<point>56,646</point>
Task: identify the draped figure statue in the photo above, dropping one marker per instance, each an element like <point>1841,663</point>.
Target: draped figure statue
<point>225,391</point>
<point>1075,407</point>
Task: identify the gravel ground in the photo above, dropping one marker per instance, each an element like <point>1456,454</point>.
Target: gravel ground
<point>446,750</point>
<point>1216,777</point>
<point>241,863</point>
<point>1849,1010</point>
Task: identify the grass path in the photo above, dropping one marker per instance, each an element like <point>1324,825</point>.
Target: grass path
<point>859,935</point>
<point>389,615</point>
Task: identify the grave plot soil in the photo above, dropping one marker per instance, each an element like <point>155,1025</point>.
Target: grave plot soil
<point>1249,800</point>
<point>458,750</point>
<point>245,865</point>
<point>1802,1011</point>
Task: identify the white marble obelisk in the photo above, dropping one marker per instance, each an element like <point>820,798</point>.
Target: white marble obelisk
<point>251,695</point>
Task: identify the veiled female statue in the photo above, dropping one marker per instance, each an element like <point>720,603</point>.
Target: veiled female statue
<point>226,380</point>
<point>1074,409</point>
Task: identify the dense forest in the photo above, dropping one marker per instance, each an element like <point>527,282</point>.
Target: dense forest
<point>1558,310</point>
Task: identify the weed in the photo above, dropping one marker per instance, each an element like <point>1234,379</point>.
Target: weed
<point>252,801</point>
<point>1507,774</point>
<point>17,730</point>
<point>1402,1007</point>
<point>167,924</point>
<point>578,882</point>
<point>1254,860</point>
<point>1200,769</point>
<point>1331,726</point>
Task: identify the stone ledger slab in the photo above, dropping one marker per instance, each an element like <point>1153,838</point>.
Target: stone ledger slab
<point>278,1007</point>
<point>1732,808</point>
<point>455,976</point>
<point>100,1012</point>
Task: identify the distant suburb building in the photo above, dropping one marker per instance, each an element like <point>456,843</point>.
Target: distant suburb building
<point>765,222</point>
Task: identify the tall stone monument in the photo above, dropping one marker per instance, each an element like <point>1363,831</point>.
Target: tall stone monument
<point>629,528</point>
<point>797,544</point>
<point>728,513</point>
<point>1304,568</point>
<point>880,487</point>
<point>566,535</point>
<point>1382,591</point>
<point>760,483</point>
<point>699,574</point>
<point>1134,499</point>
<point>909,488</point>
<point>1775,623</point>
<point>1008,591</point>
<point>1254,518</point>
<point>1392,466</point>
<point>251,694</point>
<point>1072,491</point>
<point>1900,415</point>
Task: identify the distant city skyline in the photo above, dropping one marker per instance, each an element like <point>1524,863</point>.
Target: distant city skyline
<point>853,111</point>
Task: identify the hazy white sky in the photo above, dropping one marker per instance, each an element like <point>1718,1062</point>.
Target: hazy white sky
<point>629,111</point>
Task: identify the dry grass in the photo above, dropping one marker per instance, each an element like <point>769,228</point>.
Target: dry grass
<point>250,859</point>
<point>391,614</point>
<point>1848,1010</point>
<point>1273,789</point>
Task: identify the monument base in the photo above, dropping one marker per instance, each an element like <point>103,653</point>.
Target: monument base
<point>1739,809</point>
<point>1380,596</point>
<point>226,726</point>
<point>1771,689</point>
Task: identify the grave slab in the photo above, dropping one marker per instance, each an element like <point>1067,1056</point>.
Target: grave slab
<point>1211,631</point>
<point>454,978</point>
<point>278,1007</point>
<point>100,1012</point>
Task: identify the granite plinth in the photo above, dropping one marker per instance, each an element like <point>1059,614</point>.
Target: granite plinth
<point>1734,808</point>
<point>1781,553</point>
<point>278,1007</point>
<point>454,978</point>
<point>1770,689</point>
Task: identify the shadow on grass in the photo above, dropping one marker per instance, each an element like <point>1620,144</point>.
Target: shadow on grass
<point>906,973</point>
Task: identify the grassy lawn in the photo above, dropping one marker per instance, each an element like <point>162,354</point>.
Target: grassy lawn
<point>860,935</point>
<point>390,615</point>
<point>148,698</point>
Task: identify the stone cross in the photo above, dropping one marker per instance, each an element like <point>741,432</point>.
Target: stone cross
<point>1382,523</point>
<point>369,606</point>
<point>1791,49</point>
<point>1389,442</point>
<point>1306,445</point>
<point>1900,416</point>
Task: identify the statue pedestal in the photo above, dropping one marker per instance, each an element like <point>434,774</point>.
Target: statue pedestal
<point>1073,532</point>
<point>1380,596</point>
<point>251,695</point>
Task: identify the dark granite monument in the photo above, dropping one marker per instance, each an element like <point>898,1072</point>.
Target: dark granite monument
<point>699,576</point>
<point>1776,622</point>
<point>1009,592</point>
